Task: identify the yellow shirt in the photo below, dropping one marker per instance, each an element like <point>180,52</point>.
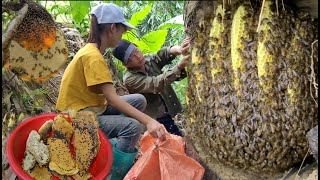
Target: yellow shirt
<point>87,68</point>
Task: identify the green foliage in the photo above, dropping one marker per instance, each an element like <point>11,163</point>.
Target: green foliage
<point>3,70</point>
<point>72,13</point>
<point>121,69</point>
<point>80,13</point>
<point>161,12</point>
<point>140,15</point>
<point>59,12</point>
<point>6,18</point>
<point>171,25</point>
<point>30,96</point>
<point>152,42</point>
<point>122,4</point>
<point>180,89</point>
<point>79,9</point>
<point>31,100</point>
<point>56,10</point>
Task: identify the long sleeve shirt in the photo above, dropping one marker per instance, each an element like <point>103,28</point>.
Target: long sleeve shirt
<point>155,85</point>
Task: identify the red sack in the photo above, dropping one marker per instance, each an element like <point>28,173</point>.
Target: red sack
<point>164,160</point>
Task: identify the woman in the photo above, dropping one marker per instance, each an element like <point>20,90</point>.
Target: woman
<point>87,85</point>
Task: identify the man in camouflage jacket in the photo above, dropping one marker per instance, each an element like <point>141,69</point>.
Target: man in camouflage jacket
<point>144,76</point>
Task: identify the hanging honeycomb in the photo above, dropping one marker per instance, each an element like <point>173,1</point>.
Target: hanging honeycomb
<point>33,48</point>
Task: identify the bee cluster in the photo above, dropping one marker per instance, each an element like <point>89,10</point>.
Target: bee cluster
<point>37,30</point>
<point>249,98</point>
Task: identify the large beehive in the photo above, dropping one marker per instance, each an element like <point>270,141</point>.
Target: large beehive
<point>251,97</point>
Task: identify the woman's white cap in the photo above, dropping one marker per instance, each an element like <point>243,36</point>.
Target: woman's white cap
<point>110,13</point>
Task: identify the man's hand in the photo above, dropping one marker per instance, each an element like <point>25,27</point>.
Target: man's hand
<point>183,49</point>
<point>185,46</point>
<point>156,129</point>
<point>184,62</point>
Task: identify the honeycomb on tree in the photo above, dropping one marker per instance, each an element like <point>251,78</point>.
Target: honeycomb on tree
<point>250,96</point>
<point>34,48</point>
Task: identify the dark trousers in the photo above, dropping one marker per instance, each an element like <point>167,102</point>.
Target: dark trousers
<point>170,125</point>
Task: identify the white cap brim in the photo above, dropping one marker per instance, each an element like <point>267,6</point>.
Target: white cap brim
<point>128,25</point>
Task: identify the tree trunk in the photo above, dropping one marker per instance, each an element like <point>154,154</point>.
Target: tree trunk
<point>252,90</point>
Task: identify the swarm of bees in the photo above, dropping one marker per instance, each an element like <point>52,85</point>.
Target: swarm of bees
<point>249,97</point>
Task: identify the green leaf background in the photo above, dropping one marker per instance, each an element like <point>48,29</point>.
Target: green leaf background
<point>152,42</point>
<point>79,9</point>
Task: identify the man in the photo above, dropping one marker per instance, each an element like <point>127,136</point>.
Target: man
<point>144,76</point>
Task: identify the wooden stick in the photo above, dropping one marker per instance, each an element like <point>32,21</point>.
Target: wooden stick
<point>283,6</point>
<point>223,4</point>
<point>312,76</point>
<point>9,80</point>
<point>10,32</point>
<point>260,15</point>
<point>302,163</point>
<point>285,176</point>
<point>277,7</point>
<point>223,7</point>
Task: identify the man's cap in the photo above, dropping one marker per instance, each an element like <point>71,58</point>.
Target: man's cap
<point>110,13</point>
<point>123,50</point>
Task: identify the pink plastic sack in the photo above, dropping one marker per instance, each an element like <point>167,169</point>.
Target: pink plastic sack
<point>164,160</point>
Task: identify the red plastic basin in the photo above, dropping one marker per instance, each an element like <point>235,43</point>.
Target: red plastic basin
<point>16,147</point>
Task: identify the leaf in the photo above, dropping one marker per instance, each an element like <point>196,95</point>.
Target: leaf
<point>12,120</point>
<point>153,41</point>
<point>79,9</point>
<point>171,25</point>
<point>139,16</point>
<point>38,102</point>
<point>130,35</point>
<point>55,6</point>
<point>21,117</point>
